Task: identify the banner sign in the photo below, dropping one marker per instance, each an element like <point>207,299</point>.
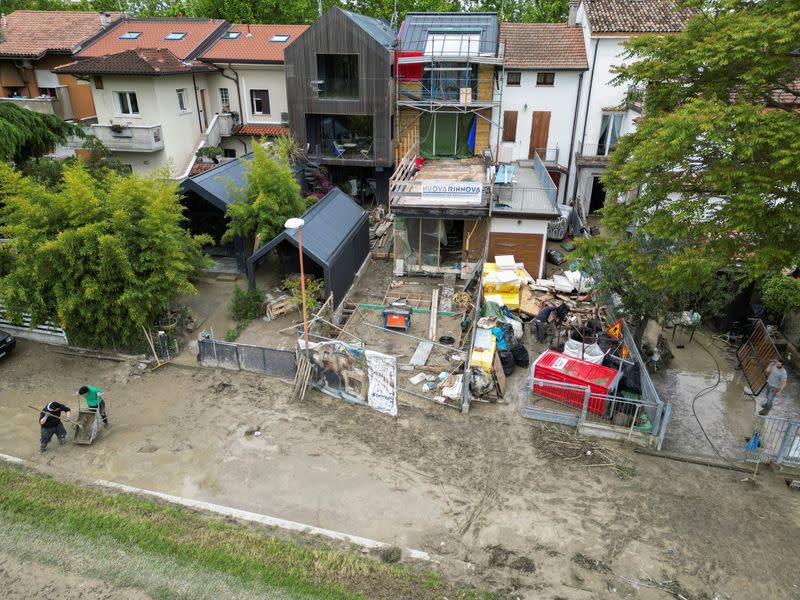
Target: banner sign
<point>382,377</point>
<point>615,330</point>
<point>452,192</point>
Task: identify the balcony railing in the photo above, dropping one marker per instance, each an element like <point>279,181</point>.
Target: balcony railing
<point>548,155</point>
<point>531,193</point>
<point>357,150</point>
<point>596,155</point>
<point>60,105</point>
<point>634,99</point>
<point>130,138</point>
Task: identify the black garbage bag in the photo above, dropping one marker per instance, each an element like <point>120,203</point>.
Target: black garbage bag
<point>521,358</point>
<point>507,361</point>
<point>508,335</point>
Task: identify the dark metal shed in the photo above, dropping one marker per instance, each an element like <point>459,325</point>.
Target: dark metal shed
<point>335,240</point>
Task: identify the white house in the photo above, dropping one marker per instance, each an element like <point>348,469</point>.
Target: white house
<point>164,88</point>
<point>604,114</point>
<point>540,92</point>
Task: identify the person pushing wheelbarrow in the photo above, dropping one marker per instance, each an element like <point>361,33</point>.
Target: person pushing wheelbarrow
<point>94,400</point>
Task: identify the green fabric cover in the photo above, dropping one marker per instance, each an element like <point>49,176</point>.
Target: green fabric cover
<point>445,135</point>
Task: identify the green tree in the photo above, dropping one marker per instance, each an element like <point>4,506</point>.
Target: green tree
<point>98,162</point>
<point>781,294</point>
<point>269,197</point>
<point>101,258</point>
<point>25,134</point>
<point>715,157</point>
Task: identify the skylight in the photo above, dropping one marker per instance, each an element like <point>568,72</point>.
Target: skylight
<point>279,37</point>
<point>130,35</point>
<point>231,35</point>
<point>176,35</point>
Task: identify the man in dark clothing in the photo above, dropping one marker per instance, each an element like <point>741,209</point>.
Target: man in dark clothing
<point>49,419</point>
<point>541,320</point>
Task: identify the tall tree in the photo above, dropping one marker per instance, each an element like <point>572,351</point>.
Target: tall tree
<point>269,197</point>
<point>25,134</point>
<point>100,258</point>
<point>715,159</point>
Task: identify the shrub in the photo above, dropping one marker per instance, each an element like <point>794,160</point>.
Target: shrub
<point>246,304</point>
<point>781,294</point>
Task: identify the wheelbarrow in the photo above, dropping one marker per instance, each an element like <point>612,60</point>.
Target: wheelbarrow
<point>87,425</point>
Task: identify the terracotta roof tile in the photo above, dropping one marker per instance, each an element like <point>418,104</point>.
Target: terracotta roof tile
<point>33,33</point>
<point>153,32</point>
<point>637,16</point>
<point>262,130</point>
<point>142,61</point>
<point>255,48</point>
<point>201,168</point>
<point>543,46</point>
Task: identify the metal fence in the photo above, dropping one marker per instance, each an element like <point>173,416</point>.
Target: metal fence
<point>571,404</point>
<point>47,332</point>
<point>245,357</point>
<point>774,439</point>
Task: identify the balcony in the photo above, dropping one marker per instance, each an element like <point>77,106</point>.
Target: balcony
<point>130,138</point>
<point>634,99</point>
<point>341,139</point>
<point>594,155</point>
<point>548,156</point>
<point>524,189</point>
<point>59,105</point>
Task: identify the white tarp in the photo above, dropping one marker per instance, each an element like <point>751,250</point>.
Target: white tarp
<point>590,352</point>
<point>382,377</point>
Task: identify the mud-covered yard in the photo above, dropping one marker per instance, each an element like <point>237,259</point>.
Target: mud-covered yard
<point>481,488</point>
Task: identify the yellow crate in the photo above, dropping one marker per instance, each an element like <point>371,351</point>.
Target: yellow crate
<point>484,358</point>
<point>511,300</point>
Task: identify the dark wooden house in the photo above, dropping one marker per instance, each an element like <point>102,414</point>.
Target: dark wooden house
<point>340,90</point>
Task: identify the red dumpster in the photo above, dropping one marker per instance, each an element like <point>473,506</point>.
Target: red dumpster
<point>562,369</point>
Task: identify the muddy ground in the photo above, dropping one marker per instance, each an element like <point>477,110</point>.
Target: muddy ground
<point>479,487</point>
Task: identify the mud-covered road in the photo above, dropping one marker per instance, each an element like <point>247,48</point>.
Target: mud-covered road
<point>473,487</point>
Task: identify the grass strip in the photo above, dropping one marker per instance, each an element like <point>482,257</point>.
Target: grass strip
<point>245,557</point>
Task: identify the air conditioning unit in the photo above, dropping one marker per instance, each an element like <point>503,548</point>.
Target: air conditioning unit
<point>284,118</point>
<point>464,95</point>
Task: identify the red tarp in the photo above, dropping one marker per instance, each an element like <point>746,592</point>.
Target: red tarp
<point>408,72</point>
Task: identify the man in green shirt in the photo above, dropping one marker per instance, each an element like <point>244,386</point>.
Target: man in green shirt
<point>94,400</point>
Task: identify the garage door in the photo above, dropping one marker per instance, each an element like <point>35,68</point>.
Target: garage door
<point>526,248</point>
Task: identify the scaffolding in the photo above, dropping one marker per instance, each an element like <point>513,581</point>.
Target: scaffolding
<point>438,70</point>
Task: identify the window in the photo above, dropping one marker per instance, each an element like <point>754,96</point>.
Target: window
<point>510,126</point>
<point>446,80</point>
<point>183,105</point>
<point>609,133</point>
<point>280,37</point>
<point>175,35</point>
<point>545,78</point>
<point>513,78</point>
<point>130,35</point>
<point>98,82</point>
<point>231,35</point>
<point>229,152</point>
<point>224,98</point>
<point>338,74</point>
<point>128,105</point>
<point>259,102</point>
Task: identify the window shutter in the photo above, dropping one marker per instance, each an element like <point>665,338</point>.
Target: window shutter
<point>509,126</point>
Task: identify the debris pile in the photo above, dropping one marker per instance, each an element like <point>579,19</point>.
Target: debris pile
<point>381,233</point>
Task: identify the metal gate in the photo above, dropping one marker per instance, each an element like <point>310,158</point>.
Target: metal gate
<point>754,356</point>
<point>774,440</point>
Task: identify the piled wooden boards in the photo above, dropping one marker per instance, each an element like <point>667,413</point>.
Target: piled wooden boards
<point>382,237</point>
<point>276,308</point>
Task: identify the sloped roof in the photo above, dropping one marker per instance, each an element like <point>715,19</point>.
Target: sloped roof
<point>253,44</point>
<point>416,26</point>
<point>377,29</point>
<point>212,185</point>
<point>142,61</point>
<point>198,32</point>
<point>34,33</point>
<point>637,16</point>
<point>543,46</point>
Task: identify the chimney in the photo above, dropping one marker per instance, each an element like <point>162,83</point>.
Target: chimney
<point>159,55</point>
<point>573,12</point>
<point>105,19</point>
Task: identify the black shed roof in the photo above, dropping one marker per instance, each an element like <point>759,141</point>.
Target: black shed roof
<point>213,185</point>
<point>331,227</point>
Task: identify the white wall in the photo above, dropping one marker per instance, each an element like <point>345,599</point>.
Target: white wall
<point>252,77</point>
<point>527,226</point>
<point>558,99</point>
<point>158,105</point>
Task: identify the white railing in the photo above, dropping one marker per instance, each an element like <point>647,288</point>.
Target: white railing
<point>130,138</point>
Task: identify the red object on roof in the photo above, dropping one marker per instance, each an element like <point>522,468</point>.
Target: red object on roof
<point>34,33</point>
<point>254,43</point>
<point>560,368</point>
<point>262,130</point>
<point>152,34</point>
<point>408,71</point>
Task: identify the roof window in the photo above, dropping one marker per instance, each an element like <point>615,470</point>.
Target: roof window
<point>175,36</point>
<point>130,35</point>
<point>280,37</point>
<point>231,35</point>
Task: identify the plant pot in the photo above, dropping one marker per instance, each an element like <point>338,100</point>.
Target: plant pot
<point>169,322</point>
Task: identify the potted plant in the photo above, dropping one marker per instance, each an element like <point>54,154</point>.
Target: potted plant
<point>119,130</point>
<point>210,152</point>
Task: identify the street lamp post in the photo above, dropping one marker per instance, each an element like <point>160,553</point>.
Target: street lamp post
<point>297,223</point>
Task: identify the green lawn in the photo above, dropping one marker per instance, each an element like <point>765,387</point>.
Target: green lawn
<point>172,553</point>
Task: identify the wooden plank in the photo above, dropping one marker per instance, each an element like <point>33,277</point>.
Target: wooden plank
<point>434,314</point>
<point>499,375</point>
<point>421,354</point>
